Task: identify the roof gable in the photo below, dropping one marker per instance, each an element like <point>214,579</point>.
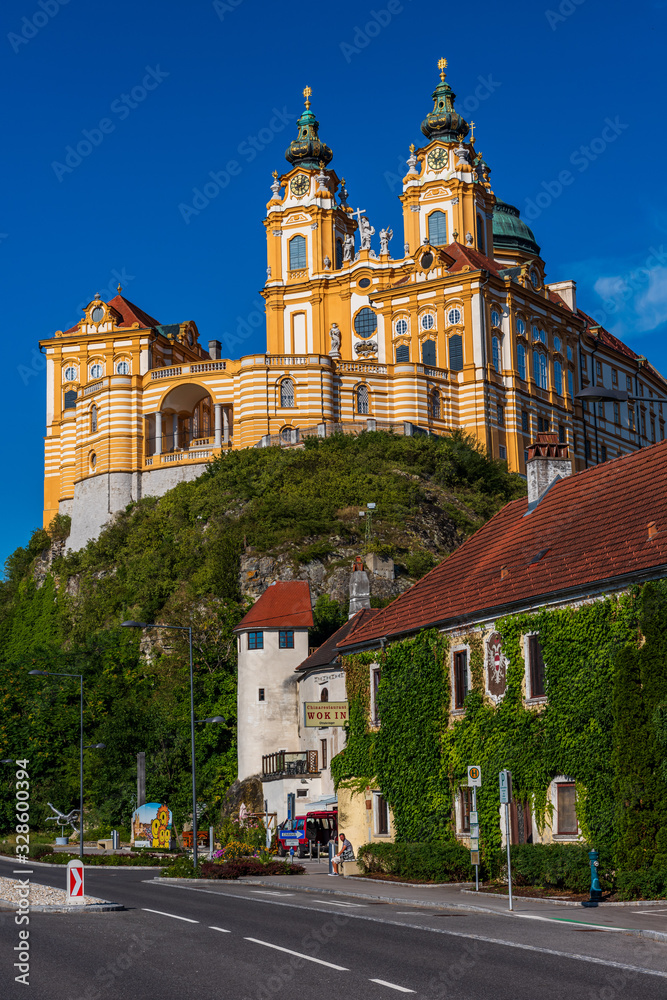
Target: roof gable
<point>587,531</point>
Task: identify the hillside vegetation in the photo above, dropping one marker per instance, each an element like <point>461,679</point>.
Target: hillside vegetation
<point>197,556</point>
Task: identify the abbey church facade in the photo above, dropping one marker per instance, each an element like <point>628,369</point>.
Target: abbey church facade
<point>450,324</point>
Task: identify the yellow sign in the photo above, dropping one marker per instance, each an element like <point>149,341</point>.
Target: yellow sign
<point>326,713</point>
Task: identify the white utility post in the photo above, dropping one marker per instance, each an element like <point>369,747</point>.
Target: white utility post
<point>505,782</point>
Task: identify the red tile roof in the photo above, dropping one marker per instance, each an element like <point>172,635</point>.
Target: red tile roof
<point>589,531</point>
<point>282,605</point>
<point>469,256</point>
<point>129,313</point>
<point>326,654</point>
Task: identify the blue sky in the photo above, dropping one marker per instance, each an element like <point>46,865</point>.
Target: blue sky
<point>572,90</point>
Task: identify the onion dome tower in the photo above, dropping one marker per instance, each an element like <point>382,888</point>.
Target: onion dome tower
<point>307,150</point>
<point>444,122</point>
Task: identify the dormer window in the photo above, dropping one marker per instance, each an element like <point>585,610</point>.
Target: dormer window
<point>97,315</point>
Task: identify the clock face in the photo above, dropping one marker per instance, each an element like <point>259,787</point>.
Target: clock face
<point>300,185</point>
<point>437,158</point>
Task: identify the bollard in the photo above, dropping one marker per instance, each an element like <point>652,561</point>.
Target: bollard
<point>332,851</point>
<point>115,840</point>
<point>596,888</point>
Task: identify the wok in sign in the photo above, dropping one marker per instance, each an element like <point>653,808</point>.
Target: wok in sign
<point>325,713</point>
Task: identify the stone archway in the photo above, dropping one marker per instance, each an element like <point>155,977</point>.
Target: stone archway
<point>187,418</point>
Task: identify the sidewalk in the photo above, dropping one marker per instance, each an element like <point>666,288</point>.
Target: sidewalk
<point>646,918</point>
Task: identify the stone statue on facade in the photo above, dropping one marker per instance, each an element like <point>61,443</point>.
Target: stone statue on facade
<point>385,236</point>
<point>348,247</point>
<point>469,238</point>
<point>366,231</point>
<point>334,334</point>
<point>327,263</point>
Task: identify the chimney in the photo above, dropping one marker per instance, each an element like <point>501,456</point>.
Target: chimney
<point>214,349</point>
<point>567,291</point>
<point>547,462</point>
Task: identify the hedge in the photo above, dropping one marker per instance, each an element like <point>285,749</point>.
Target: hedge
<point>448,862</point>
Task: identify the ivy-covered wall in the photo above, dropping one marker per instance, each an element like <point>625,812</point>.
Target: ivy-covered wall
<point>604,724</point>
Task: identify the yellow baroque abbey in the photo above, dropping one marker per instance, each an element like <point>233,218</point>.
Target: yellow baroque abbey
<point>451,325</point>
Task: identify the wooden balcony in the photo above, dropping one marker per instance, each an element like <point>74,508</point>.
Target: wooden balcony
<point>285,764</point>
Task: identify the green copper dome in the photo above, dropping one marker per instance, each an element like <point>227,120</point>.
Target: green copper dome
<point>510,232</point>
<point>444,122</point>
<point>307,150</point>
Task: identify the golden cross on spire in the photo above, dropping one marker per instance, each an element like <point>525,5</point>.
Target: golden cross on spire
<point>306,93</point>
<point>412,147</point>
<point>275,175</point>
<point>442,66</point>
<point>472,132</point>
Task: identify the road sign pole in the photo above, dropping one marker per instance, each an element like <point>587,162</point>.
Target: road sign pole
<point>474,808</point>
<point>509,860</point>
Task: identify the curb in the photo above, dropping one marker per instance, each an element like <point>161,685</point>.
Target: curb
<point>76,908</point>
<point>634,931</point>
<point>568,902</point>
<point>57,864</point>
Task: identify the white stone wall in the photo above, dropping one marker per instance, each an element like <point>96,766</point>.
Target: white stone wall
<point>98,498</point>
<point>267,726</point>
<point>310,689</point>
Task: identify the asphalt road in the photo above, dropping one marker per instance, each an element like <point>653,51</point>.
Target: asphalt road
<point>246,942</point>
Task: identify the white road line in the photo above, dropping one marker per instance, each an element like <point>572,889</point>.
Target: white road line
<point>269,892</point>
<point>648,913</point>
<point>221,929</point>
<point>392,986</point>
<point>573,956</point>
<point>333,902</point>
<point>174,915</point>
<point>288,951</point>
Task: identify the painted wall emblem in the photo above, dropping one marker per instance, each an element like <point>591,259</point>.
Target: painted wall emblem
<point>496,666</point>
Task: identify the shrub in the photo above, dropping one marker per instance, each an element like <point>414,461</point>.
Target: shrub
<point>40,851</point>
<point>647,883</point>
<point>248,866</point>
<point>448,862</point>
<point>181,867</point>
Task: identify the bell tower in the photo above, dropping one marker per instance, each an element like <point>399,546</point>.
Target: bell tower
<point>447,196</point>
<point>306,231</point>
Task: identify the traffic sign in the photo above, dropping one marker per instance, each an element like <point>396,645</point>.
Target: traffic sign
<point>474,777</point>
<point>75,882</point>
<point>505,783</point>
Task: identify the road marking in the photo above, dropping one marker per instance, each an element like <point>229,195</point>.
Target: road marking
<point>333,902</point>
<point>221,929</point>
<point>392,986</point>
<point>269,892</point>
<point>288,951</point>
<point>648,913</point>
<point>573,956</point>
<point>174,915</point>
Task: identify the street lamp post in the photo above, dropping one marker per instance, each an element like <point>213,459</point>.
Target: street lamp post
<point>53,673</point>
<point>217,718</point>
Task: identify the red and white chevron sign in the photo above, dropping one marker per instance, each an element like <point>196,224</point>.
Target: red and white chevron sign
<point>75,882</point>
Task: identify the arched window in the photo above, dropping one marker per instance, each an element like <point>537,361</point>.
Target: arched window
<point>428,321</point>
<point>437,229</point>
<point>365,322</point>
<point>495,347</point>
<point>287,393</point>
<point>428,352</point>
<point>521,360</point>
<point>297,253</point>
<point>70,374</point>
<point>123,368</point>
<point>339,254</point>
<point>558,377</point>
<point>93,420</point>
<point>495,318</point>
<point>96,370</point>
<point>362,399</point>
<point>286,434</point>
<point>540,369</point>
<point>324,694</point>
<point>401,327</point>
<point>520,327</point>
<point>456,352</point>
<point>402,353</point>
<point>435,405</point>
<point>480,234</point>
<point>454,317</point>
